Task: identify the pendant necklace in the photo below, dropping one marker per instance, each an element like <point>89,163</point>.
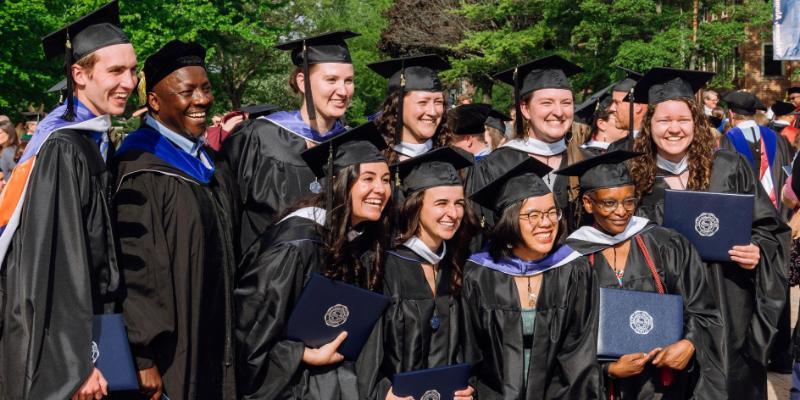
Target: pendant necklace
<point>547,162</point>
<point>531,295</point>
<point>436,322</point>
<point>617,272</point>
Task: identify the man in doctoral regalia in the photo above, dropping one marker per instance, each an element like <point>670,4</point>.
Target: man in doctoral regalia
<point>173,212</point>
<point>59,266</point>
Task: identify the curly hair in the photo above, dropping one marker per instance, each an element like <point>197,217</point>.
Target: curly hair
<point>343,257</point>
<point>387,123</point>
<point>701,153</point>
<point>409,226</point>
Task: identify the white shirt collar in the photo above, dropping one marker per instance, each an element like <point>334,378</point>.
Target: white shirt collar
<point>190,147</point>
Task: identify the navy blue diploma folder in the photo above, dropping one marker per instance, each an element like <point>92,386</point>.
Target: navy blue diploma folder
<point>432,384</point>
<point>713,222</point>
<point>111,352</point>
<point>327,307</point>
<point>637,322</point>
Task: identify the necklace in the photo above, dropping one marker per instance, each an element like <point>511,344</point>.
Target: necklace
<point>617,272</point>
<point>531,294</point>
<point>436,322</point>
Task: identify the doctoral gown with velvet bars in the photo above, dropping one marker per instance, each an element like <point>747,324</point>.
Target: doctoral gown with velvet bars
<point>60,270</point>
<point>270,279</point>
<point>177,259</point>
<point>409,342</point>
<point>751,301</point>
<point>683,273</point>
<point>268,173</point>
<point>563,357</point>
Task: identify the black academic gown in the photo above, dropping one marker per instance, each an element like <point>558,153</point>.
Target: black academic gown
<point>60,270</point>
<point>409,341</point>
<point>683,273</point>
<point>270,278</point>
<point>751,301</point>
<point>176,254</point>
<point>563,356</point>
<point>268,173</point>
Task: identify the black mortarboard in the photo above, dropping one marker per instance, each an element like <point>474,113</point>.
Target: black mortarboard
<point>33,115</point>
<point>417,73</point>
<point>742,103</point>
<point>497,120</point>
<point>793,89</point>
<point>781,108</point>
<point>259,110</point>
<point>437,167</point>
<point>362,144</point>
<point>628,82</point>
<point>602,171</point>
<point>61,85</point>
<point>172,56</point>
<point>549,72</point>
<point>325,48</point>
<point>662,84</point>
<point>585,112</point>
<point>82,37</point>
<point>469,119</point>
<point>520,182</point>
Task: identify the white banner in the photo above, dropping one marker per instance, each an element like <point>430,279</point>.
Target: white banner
<point>786,30</point>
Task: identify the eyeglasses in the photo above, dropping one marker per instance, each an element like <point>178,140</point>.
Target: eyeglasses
<point>535,216</point>
<point>610,206</point>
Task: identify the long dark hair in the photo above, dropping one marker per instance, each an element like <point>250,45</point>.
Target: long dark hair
<point>506,233</point>
<point>387,121</point>
<point>343,258</point>
<point>458,245</point>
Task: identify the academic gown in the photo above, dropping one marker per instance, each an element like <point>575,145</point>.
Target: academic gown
<point>268,173</point>
<point>563,357</point>
<point>409,341</point>
<point>683,273</point>
<point>270,279</point>
<point>177,258</point>
<point>60,270</point>
<point>750,322</point>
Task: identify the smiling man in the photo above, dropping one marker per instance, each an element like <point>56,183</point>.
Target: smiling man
<point>59,266</point>
<point>176,251</point>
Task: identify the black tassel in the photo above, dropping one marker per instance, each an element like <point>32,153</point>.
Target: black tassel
<point>329,188</point>
<point>517,109</point>
<point>312,113</point>
<point>630,114</point>
<point>398,127</point>
<point>69,113</point>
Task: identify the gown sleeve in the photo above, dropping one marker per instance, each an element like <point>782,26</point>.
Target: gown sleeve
<point>267,287</point>
<point>769,278</point>
<point>51,275</point>
<point>702,318</point>
<point>144,211</point>
<point>471,320</point>
<point>575,373</point>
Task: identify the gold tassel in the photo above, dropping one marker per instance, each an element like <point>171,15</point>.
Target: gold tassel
<point>141,89</point>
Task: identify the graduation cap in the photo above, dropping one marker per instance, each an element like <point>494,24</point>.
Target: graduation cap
<point>602,171</point>
<point>497,119</point>
<point>437,167</point>
<point>61,85</point>
<point>743,103</point>
<point>469,119</point>
<point>82,37</point>
<point>520,182</point>
<point>662,84</point>
<point>171,57</point>
<point>259,110</point>
<point>362,144</point>
<point>586,112</point>
<point>325,48</point>
<point>549,72</point>
<point>628,82</point>
<point>417,73</point>
<point>33,115</point>
<point>793,89</point>
<point>781,108</point>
